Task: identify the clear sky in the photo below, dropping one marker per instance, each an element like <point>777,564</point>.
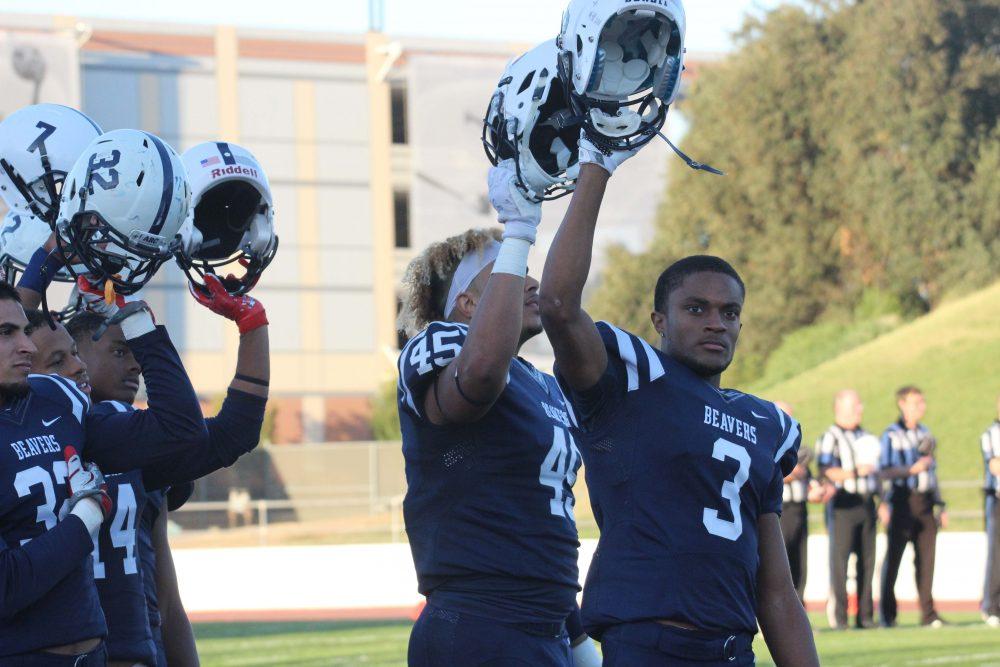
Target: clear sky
<point>710,22</point>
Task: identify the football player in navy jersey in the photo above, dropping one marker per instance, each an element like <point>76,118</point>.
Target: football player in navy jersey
<point>490,460</point>
<point>114,375</point>
<point>685,478</point>
<point>117,569</point>
<point>44,417</point>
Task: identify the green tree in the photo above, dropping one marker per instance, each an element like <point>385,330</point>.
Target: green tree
<point>860,143</point>
<point>385,415</point>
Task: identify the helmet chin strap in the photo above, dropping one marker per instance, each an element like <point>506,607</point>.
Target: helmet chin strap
<point>694,164</point>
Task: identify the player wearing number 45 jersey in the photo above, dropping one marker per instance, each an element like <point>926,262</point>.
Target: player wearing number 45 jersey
<point>490,462</point>
<point>685,478</point>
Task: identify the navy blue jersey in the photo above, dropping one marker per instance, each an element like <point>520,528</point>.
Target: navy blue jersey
<point>155,503</point>
<point>47,592</point>
<point>489,505</point>
<point>678,472</point>
<point>117,566</point>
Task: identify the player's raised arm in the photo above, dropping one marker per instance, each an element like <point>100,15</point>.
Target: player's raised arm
<point>781,615</point>
<point>172,427</point>
<point>236,429</point>
<point>492,304</point>
<point>580,354</point>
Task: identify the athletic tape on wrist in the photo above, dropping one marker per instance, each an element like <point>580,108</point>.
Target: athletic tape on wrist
<point>89,511</point>
<point>136,325</point>
<point>513,257</point>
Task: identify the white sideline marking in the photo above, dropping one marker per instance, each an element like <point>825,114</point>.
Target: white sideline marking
<point>949,659</point>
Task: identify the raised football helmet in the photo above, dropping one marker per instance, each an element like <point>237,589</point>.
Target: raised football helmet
<point>21,234</point>
<point>39,144</point>
<point>231,220</point>
<point>122,207</point>
<point>530,121</point>
<point>621,61</point>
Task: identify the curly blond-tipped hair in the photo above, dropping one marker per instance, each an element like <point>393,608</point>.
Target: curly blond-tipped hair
<point>428,278</point>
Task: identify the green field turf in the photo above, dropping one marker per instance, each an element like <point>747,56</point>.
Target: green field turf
<point>968,642</point>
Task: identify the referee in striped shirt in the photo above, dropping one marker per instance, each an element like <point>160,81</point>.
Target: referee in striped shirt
<point>851,514</point>
<point>912,497</point>
<point>991,463</point>
<point>795,516</point>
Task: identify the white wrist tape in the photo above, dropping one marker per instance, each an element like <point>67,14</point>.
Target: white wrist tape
<point>138,324</point>
<point>89,511</point>
<point>513,257</point>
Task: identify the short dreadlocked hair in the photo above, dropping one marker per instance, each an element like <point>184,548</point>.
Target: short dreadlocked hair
<point>428,278</point>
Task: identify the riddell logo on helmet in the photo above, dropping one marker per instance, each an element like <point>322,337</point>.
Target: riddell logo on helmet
<point>235,170</point>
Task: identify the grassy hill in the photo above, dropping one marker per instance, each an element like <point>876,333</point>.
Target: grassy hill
<point>953,354</point>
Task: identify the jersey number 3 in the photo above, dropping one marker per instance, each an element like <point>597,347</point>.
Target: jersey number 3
<point>730,530</point>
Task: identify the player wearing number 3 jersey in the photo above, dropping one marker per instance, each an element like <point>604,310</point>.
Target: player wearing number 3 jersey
<point>490,462</point>
<point>685,478</point>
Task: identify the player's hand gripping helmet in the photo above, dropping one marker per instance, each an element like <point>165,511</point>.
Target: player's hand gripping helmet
<point>529,120</point>
<point>122,206</point>
<point>622,61</point>
<point>231,219</point>
<point>39,144</point>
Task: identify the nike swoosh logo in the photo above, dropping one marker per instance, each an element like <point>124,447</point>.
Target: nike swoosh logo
<point>51,421</point>
<point>757,415</point>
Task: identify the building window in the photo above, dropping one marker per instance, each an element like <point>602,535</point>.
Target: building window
<point>401,214</point>
<point>398,114</point>
<point>401,338</point>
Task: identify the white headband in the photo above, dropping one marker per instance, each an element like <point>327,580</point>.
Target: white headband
<point>467,270</point>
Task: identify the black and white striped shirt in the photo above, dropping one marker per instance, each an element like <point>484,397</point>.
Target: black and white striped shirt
<point>797,490</point>
<point>836,449</point>
<point>991,449</point>
<point>899,449</point>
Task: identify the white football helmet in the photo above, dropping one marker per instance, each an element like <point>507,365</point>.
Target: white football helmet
<point>231,219</point>
<point>529,120</point>
<point>621,61</point>
<point>39,144</point>
<point>21,234</point>
<point>122,207</point>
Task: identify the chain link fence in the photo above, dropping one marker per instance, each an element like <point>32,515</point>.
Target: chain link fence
<point>342,493</point>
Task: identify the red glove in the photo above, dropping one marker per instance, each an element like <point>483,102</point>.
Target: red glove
<point>246,311</point>
<point>95,297</point>
<point>85,481</point>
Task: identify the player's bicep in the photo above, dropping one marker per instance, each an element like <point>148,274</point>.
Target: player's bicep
<point>579,350</point>
<point>427,367</point>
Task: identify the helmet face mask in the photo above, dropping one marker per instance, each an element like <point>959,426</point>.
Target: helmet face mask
<point>529,121</point>
<point>39,144</point>
<point>231,222</point>
<point>121,209</point>
<point>621,63</point>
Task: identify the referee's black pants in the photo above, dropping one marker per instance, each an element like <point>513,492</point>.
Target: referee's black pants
<point>991,605</point>
<point>852,530</point>
<point>913,521</point>
<point>795,530</point>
